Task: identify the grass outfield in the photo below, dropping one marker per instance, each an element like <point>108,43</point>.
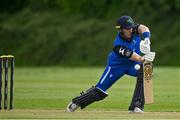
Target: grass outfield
<point>45,93</point>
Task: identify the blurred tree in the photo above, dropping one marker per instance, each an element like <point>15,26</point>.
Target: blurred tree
<point>74,32</point>
<point>12,6</point>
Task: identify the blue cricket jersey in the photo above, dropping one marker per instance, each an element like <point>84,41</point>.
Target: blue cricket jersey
<point>119,65</point>
<point>115,59</point>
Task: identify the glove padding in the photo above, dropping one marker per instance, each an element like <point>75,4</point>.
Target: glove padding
<point>145,46</point>
<point>149,56</point>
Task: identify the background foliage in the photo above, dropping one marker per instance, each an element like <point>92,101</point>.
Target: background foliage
<point>81,32</point>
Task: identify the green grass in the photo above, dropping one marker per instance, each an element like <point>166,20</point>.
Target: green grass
<point>45,92</point>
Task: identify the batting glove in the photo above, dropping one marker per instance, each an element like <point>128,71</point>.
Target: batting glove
<point>145,46</point>
<point>149,56</point>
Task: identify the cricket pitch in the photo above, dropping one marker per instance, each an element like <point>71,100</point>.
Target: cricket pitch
<point>84,114</point>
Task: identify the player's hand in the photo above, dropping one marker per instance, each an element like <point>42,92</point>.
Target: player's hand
<point>149,56</point>
<point>145,46</point>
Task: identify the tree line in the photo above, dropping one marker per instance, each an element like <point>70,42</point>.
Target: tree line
<point>81,32</point>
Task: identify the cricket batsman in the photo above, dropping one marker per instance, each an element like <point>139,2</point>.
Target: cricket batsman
<point>131,47</point>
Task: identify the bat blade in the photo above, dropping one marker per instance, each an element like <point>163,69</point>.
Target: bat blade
<point>148,83</point>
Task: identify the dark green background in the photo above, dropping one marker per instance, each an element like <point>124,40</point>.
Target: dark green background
<point>81,32</point>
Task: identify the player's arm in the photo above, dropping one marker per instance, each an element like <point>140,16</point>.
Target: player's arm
<point>136,57</point>
<point>145,43</point>
<point>123,51</point>
<point>142,29</point>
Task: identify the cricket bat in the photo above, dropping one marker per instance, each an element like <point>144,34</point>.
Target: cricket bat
<point>148,83</point>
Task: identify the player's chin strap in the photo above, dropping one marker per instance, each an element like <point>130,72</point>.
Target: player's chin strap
<point>138,97</point>
<point>93,94</point>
